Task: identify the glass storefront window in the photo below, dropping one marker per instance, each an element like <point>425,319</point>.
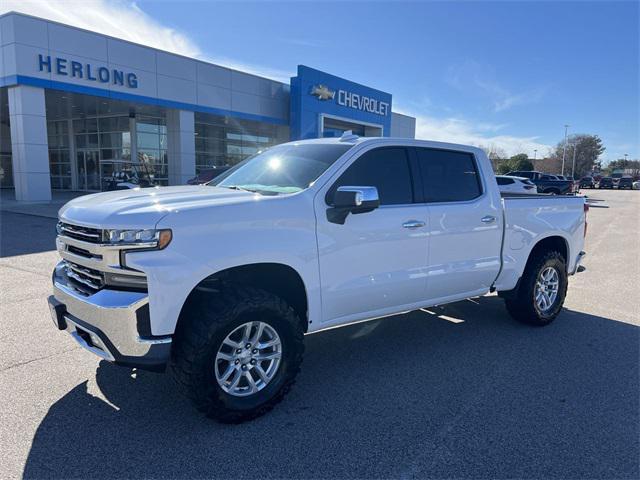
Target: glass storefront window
<point>59,154</point>
<point>224,141</point>
<point>151,143</point>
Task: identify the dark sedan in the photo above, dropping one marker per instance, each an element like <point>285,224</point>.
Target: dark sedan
<point>605,182</point>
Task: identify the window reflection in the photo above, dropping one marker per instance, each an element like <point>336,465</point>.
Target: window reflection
<point>225,141</point>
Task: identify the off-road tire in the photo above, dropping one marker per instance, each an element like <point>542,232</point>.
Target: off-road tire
<point>522,304</point>
<point>202,327</point>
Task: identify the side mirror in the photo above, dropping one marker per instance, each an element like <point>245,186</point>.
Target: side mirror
<point>354,200</point>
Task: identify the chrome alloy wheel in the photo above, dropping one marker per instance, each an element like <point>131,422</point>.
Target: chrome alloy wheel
<point>547,286</point>
<point>248,359</point>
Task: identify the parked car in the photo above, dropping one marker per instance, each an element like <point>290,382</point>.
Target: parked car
<point>636,185</point>
<point>220,283</point>
<point>205,176</point>
<point>605,182</point>
<point>587,182</point>
<point>616,178</point>
<point>546,183</point>
<point>508,184</point>
<point>625,183</point>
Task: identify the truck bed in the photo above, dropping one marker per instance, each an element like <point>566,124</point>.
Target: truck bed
<point>512,195</point>
<point>529,218</point>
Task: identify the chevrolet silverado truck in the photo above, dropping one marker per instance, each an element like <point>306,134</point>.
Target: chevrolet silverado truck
<point>547,183</point>
<point>221,282</point>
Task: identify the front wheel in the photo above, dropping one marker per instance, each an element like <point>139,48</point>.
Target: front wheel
<point>237,353</point>
<point>542,290</point>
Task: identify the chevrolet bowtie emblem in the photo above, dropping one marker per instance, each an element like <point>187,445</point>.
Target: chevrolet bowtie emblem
<point>323,92</point>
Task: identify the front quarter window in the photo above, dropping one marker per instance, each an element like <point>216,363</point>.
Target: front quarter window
<point>287,168</point>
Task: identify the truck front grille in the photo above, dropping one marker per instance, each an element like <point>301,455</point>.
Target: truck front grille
<point>86,234</point>
<point>85,280</point>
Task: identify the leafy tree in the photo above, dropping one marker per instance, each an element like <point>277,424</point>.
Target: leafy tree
<point>517,162</point>
<point>632,166</point>
<point>521,162</point>
<point>587,149</point>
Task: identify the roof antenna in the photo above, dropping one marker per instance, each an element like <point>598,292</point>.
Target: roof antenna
<point>348,136</point>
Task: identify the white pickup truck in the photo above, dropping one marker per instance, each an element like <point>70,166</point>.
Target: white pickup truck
<point>220,282</point>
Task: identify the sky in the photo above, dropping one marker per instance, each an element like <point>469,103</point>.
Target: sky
<point>504,75</point>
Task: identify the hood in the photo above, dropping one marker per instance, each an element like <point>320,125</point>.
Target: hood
<point>144,207</point>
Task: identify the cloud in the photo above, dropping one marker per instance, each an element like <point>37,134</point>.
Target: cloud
<point>124,19</point>
<point>458,130</point>
<point>473,78</point>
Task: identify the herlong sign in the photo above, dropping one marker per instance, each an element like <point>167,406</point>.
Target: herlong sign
<point>62,66</point>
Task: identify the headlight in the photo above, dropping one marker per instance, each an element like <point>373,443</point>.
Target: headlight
<point>148,237</point>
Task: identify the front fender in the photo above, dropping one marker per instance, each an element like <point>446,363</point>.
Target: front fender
<point>280,232</point>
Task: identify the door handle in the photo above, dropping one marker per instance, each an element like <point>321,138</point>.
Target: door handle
<point>488,219</point>
<point>413,224</point>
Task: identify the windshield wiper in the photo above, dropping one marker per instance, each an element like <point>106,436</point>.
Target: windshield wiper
<point>236,187</point>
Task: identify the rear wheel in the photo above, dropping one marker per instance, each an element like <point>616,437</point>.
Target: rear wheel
<point>542,290</point>
<point>237,353</point>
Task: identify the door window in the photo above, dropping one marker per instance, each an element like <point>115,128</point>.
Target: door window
<point>448,176</point>
<point>387,169</point>
<point>504,181</point>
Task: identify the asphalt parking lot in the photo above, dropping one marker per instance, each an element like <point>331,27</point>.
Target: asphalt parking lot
<point>462,393</point>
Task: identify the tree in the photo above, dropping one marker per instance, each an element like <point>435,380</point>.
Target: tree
<point>632,166</point>
<point>521,162</point>
<point>495,154</point>
<point>587,149</point>
<point>516,162</point>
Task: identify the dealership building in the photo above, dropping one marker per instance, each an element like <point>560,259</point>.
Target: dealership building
<point>73,101</point>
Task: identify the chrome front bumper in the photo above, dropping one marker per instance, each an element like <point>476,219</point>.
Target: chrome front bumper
<point>113,324</point>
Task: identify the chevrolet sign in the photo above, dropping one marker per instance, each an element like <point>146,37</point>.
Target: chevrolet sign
<point>323,92</point>
<point>364,103</point>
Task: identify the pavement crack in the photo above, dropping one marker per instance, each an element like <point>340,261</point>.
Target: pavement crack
<point>27,362</point>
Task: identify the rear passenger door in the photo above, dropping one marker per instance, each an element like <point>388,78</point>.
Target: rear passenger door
<point>375,262</point>
<point>465,224</point>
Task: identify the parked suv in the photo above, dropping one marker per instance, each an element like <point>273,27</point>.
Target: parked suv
<point>587,182</point>
<point>625,182</point>
<point>605,182</point>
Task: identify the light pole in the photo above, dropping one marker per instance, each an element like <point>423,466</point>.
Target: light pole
<point>535,154</point>
<point>564,148</point>
<point>625,158</point>
<point>573,168</point>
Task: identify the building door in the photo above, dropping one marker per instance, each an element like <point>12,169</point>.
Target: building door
<point>88,170</point>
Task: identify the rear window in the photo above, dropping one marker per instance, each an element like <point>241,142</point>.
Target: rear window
<point>448,176</point>
<point>504,181</point>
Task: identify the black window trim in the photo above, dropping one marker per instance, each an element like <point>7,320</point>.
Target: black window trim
<point>411,167</point>
<point>480,177</point>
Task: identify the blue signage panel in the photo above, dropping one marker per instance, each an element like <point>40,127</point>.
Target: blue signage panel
<point>314,93</point>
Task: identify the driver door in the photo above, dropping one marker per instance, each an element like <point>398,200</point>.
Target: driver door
<point>375,263</point>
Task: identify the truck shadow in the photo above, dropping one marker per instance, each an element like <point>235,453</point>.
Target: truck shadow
<point>463,392</point>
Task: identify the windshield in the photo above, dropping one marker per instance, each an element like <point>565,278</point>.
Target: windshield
<point>286,168</point>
